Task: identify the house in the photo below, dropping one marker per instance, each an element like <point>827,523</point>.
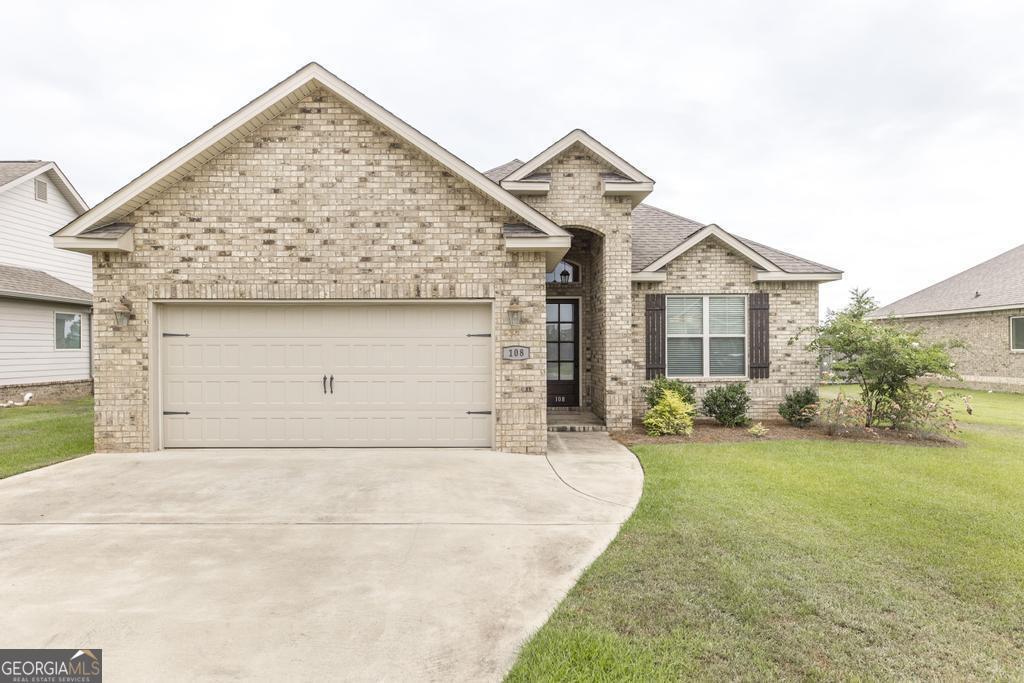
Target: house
<point>45,292</point>
<point>984,307</point>
<point>314,271</point>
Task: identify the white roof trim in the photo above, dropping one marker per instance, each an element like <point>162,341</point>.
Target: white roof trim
<point>649,277</point>
<point>59,179</point>
<point>250,116</point>
<point>957,311</point>
<point>554,247</point>
<point>773,276</point>
<point>704,233</point>
<point>609,157</point>
<point>123,243</point>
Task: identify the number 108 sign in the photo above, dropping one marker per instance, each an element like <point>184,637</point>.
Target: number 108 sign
<point>515,352</point>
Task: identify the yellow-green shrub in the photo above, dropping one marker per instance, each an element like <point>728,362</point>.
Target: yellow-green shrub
<point>671,415</point>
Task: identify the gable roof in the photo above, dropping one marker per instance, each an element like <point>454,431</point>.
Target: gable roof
<point>499,172</point>
<point>23,283</point>
<point>657,233</point>
<point>265,107</point>
<point>14,173</point>
<point>623,168</point>
<point>993,285</point>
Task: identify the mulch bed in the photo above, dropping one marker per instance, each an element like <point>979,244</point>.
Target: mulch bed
<point>709,431</point>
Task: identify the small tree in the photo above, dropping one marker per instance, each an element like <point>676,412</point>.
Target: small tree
<point>883,357</point>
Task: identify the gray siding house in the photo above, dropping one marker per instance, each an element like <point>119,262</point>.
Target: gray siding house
<point>314,271</point>
<point>982,306</point>
<point>45,292</point>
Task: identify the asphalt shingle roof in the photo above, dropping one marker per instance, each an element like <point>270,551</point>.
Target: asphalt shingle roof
<point>12,170</point>
<point>657,232</point>
<point>23,283</point>
<point>996,283</point>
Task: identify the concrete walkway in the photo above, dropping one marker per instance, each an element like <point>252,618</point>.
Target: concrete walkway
<point>305,564</point>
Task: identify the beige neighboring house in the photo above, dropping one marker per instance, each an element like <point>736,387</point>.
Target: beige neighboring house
<point>314,271</point>
<point>982,306</point>
<point>45,292</point>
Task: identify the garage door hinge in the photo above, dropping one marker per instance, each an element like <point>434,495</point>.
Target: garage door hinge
<point>175,334</point>
<point>478,412</point>
<point>176,412</point>
<point>479,334</point>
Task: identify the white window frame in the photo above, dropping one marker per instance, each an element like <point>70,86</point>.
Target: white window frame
<point>706,336</point>
<point>81,327</point>
<point>1012,349</point>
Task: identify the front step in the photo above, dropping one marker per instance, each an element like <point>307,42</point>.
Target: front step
<point>577,428</point>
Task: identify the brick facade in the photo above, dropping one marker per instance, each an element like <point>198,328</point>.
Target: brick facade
<point>987,363</point>
<point>576,198</point>
<point>47,392</point>
<point>319,203</point>
<point>712,268</point>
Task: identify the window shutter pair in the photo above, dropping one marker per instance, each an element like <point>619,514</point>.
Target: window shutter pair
<point>654,317</point>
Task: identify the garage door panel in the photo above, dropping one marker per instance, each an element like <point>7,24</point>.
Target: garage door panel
<point>252,375</point>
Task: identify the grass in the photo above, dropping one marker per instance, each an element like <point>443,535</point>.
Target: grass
<point>40,435</point>
<point>808,560</point>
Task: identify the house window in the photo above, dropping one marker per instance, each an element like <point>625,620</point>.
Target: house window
<point>1017,334</point>
<point>40,189</point>
<point>564,273</point>
<point>68,330</point>
<point>706,336</point>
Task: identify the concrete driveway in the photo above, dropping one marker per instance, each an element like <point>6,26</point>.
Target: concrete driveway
<point>305,564</point>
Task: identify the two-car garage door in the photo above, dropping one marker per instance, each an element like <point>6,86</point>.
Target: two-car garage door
<point>300,375</point>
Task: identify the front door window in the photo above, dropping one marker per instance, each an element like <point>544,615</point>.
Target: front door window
<point>563,352</point>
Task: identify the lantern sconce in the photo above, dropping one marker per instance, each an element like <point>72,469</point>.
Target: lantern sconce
<point>564,275</point>
<point>123,311</point>
<point>513,313</point>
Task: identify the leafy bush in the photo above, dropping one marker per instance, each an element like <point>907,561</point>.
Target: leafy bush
<point>842,416</point>
<point>669,416</point>
<point>655,388</point>
<point>798,407</point>
<point>758,430</point>
<point>882,356</point>
<point>727,404</point>
<point>916,409</point>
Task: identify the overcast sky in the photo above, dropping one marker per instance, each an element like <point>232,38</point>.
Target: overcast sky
<point>883,138</point>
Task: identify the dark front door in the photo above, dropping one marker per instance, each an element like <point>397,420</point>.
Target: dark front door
<point>563,352</point>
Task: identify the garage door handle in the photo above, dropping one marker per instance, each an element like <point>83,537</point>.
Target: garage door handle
<point>176,412</point>
<point>325,384</point>
<point>478,412</point>
<point>332,384</point>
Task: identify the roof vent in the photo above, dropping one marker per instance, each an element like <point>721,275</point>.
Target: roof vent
<point>40,189</point>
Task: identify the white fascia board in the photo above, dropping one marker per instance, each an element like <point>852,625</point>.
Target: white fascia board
<point>89,245</point>
<point>778,276</point>
<point>609,157</point>
<point>312,73</point>
<point>955,311</point>
<point>704,233</point>
<point>643,276</point>
<point>10,294</point>
<point>554,248</point>
<point>22,178</point>
<point>59,179</point>
<point>526,186</point>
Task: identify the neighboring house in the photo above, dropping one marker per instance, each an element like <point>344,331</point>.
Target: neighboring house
<point>44,291</point>
<point>982,306</point>
<point>313,271</point>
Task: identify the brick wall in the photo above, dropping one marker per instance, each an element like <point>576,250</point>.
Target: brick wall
<point>576,199</point>
<point>47,392</point>
<point>987,363</point>
<point>712,268</point>
<point>319,203</point>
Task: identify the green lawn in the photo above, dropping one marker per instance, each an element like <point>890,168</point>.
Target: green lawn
<point>39,435</point>
<point>809,560</point>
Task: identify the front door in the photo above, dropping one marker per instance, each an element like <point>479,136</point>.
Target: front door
<point>563,335</point>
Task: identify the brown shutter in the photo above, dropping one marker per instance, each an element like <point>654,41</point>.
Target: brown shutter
<point>654,322</point>
<point>759,352</point>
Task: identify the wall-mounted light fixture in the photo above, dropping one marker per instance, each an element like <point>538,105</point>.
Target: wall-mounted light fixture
<point>123,311</point>
<point>564,276</point>
<point>513,313</point>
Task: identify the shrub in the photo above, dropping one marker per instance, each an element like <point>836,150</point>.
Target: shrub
<point>882,356</point>
<point>727,404</point>
<point>670,416</point>
<point>842,415</point>
<point>916,409</point>
<point>797,408</point>
<point>658,386</point>
<point>758,431</point>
